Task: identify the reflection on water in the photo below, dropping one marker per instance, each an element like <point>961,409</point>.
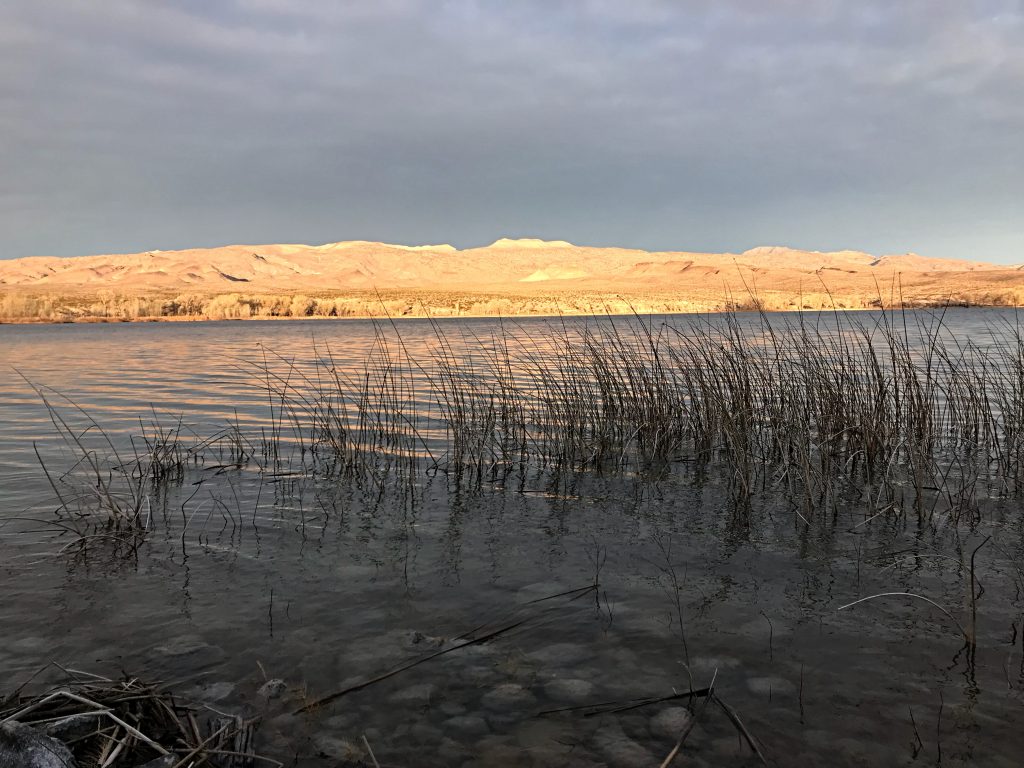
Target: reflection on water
<point>324,583</point>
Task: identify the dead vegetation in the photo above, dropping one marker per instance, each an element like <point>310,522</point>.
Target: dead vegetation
<point>104,723</point>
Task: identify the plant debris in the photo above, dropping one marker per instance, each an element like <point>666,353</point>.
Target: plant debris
<point>88,721</point>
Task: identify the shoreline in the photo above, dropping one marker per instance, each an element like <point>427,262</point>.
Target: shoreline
<point>185,319</point>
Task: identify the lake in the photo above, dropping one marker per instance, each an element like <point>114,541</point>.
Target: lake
<point>612,567</point>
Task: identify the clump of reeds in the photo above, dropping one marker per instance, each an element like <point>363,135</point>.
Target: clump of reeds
<point>891,412</point>
<point>105,492</point>
<point>361,423</point>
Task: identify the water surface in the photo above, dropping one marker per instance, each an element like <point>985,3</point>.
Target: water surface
<point>248,575</point>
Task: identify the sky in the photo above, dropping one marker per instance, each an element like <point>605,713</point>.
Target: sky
<point>717,125</point>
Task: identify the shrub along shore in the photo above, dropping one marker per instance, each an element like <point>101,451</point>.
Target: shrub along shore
<point>22,306</point>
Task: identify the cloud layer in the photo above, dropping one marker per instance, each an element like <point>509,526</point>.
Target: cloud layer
<point>714,124</point>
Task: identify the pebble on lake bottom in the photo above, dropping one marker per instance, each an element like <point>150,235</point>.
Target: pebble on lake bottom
<point>272,689</point>
<point>670,723</point>
<point>621,751</point>
<point>469,725</point>
<point>569,691</point>
<point>560,655</point>
<point>189,645</point>
<point>508,696</point>
<point>419,694</point>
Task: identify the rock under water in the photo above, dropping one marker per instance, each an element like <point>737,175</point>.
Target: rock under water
<point>22,746</point>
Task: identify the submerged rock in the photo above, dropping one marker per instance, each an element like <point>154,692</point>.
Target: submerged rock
<point>670,723</point>
<point>492,753</point>
<point>425,642</point>
<point>621,751</point>
<point>419,693</point>
<point>22,746</point>
<point>424,734</point>
<point>509,696</point>
<point>190,645</point>
<point>452,752</point>
<point>561,655</point>
<point>211,692</point>
<point>478,675</point>
<point>273,689</point>
<point>451,708</point>
<point>539,734</point>
<point>467,725</point>
<point>569,691</point>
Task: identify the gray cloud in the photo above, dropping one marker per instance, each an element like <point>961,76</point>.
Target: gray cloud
<point>132,124</point>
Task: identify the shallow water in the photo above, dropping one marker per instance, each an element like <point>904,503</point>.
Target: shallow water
<point>323,584</point>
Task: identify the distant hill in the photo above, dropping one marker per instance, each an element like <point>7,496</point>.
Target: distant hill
<point>778,275</point>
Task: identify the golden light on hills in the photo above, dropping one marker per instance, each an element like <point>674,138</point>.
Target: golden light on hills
<point>525,276</point>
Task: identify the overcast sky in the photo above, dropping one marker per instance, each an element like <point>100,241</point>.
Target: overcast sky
<point>127,125</point>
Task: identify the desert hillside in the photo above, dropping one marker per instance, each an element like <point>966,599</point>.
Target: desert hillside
<point>522,276</point>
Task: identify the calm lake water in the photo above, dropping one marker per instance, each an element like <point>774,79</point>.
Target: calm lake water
<point>322,583</point>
